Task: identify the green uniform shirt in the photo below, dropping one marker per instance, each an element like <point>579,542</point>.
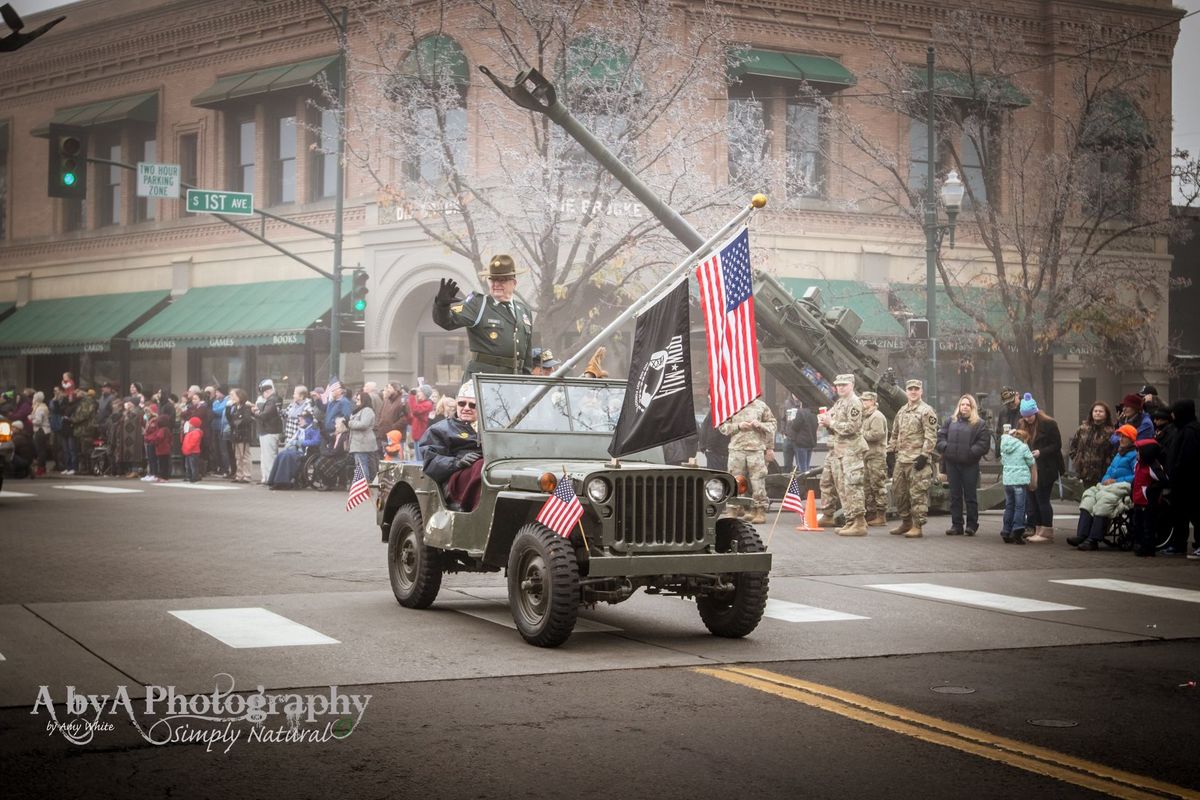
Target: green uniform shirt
<point>500,337</point>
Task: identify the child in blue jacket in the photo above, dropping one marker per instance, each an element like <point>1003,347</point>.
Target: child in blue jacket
<point>1019,474</point>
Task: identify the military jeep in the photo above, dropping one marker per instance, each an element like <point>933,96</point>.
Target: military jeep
<point>645,524</point>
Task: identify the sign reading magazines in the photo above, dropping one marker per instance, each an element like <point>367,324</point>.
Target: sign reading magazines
<point>658,401</point>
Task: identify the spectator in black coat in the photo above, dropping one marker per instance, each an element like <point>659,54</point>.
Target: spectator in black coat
<point>801,433</point>
<point>714,444</point>
<point>1009,413</point>
<point>962,442</point>
<point>1045,440</point>
<point>1183,476</point>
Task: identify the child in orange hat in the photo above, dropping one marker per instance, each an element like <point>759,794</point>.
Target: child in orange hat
<point>394,449</point>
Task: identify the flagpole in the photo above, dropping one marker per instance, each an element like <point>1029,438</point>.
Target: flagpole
<point>779,513</point>
<point>652,296</point>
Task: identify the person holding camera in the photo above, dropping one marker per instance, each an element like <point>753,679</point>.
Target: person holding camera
<point>453,455</point>
<point>913,439</point>
<point>270,427</point>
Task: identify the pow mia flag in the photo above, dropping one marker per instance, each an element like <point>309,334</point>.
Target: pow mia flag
<point>658,401</point>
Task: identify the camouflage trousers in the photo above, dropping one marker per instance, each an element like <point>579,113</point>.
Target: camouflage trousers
<point>910,489</point>
<point>874,491</point>
<point>752,465</point>
<point>829,496</point>
<point>847,470</point>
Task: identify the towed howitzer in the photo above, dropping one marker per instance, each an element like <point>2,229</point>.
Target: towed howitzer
<point>795,336</point>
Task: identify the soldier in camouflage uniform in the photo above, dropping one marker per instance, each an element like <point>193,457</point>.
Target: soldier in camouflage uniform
<point>875,431</point>
<point>751,432</point>
<point>913,440</point>
<point>845,422</point>
<point>830,504</point>
<point>499,327</point>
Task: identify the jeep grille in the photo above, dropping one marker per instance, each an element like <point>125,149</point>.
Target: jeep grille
<point>659,511</point>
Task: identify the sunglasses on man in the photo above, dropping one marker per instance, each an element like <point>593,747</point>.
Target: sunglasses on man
<point>465,404</point>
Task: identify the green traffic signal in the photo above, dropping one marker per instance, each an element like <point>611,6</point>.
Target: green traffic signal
<point>358,294</point>
<point>68,178</point>
<point>360,305</point>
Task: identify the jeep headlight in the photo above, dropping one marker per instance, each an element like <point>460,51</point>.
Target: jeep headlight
<point>598,490</point>
<point>716,490</point>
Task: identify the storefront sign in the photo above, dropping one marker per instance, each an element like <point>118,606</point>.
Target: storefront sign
<point>152,344</point>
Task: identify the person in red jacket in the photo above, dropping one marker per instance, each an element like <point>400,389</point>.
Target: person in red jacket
<point>158,444</point>
<point>1149,477</point>
<point>193,437</point>
<point>419,406</point>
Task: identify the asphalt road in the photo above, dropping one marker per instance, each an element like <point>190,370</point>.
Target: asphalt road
<point>901,668</point>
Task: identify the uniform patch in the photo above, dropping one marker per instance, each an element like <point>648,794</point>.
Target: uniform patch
<point>457,309</point>
<point>931,419</point>
<point>855,411</point>
<point>493,335</point>
<point>525,319</point>
<point>464,435</point>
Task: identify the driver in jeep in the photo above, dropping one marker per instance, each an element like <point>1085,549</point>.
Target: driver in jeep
<point>453,455</point>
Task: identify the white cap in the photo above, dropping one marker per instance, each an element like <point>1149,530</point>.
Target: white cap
<point>467,390</point>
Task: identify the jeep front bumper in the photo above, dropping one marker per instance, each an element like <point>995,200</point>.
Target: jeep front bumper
<point>677,564</point>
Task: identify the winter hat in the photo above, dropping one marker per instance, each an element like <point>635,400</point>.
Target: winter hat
<point>194,422</point>
<point>395,441</point>
<point>1028,405</point>
<point>1148,389</point>
<point>1128,431</point>
<point>1007,395</point>
<point>1133,401</point>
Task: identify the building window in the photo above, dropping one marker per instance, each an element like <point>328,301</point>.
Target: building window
<point>109,194</point>
<point>189,166</point>
<point>1114,138</point>
<point>969,163</point>
<point>769,123</point>
<point>323,168</point>
<point>805,166</point>
<point>749,141</point>
<point>283,172</point>
<point>243,177</point>
<point>432,81</point>
<point>3,184</point>
<point>147,208</point>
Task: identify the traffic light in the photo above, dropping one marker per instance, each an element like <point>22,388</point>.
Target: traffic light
<point>68,163</point>
<point>358,295</point>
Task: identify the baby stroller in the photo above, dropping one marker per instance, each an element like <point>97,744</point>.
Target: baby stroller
<point>101,458</point>
<point>325,471</point>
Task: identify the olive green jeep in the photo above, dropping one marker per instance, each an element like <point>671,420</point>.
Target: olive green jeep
<point>645,524</point>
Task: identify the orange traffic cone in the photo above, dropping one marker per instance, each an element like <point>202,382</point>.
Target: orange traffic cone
<point>810,514</point>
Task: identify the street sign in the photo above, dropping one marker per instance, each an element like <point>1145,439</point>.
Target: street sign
<point>207,201</point>
<point>157,180</point>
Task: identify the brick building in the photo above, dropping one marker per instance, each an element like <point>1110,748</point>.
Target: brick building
<point>117,287</point>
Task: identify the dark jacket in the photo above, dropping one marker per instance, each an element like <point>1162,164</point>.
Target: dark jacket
<point>269,419</point>
<point>712,441</point>
<point>1048,446</point>
<point>960,442</point>
<point>1183,450</point>
<point>444,443</point>
<point>1091,451</point>
<point>1006,416</point>
<point>240,422</point>
<point>802,430</point>
<point>393,416</point>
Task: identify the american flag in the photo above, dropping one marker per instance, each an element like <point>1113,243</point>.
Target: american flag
<point>360,489</point>
<point>727,298</point>
<point>562,509</point>
<point>791,500</point>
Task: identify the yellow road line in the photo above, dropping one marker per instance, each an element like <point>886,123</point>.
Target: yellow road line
<point>1049,763</point>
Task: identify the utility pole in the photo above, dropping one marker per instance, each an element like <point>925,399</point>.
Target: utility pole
<point>340,25</point>
<point>931,236</point>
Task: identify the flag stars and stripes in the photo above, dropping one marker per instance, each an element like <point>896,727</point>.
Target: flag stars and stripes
<point>562,509</point>
<point>360,488</point>
<point>727,300</point>
<point>792,500</point>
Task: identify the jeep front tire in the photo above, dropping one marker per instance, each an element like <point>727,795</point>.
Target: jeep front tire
<point>736,613</point>
<point>413,568</point>
<point>543,585</point>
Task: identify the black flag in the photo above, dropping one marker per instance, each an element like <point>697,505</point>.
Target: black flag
<point>658,401</point>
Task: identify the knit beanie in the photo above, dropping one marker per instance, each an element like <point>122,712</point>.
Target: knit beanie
<point>1028,405</point>
<point>1128,431</point>
<point>1133,401</point>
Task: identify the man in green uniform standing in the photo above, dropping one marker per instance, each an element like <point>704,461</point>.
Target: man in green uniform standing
<point>913,440</point>
<point>875,431</point>
<point>499,327</point>
<point>845,422</point>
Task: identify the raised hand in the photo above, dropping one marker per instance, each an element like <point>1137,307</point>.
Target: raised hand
<point>447,292</point>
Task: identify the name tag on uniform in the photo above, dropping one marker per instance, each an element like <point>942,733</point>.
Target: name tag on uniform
<point>493,321</point>
<point>457,309</point>
<point>525,319</point>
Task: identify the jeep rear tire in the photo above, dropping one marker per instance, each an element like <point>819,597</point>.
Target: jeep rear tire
<point>736,613</point>
<point>413,568</point>
<point>543,585</point>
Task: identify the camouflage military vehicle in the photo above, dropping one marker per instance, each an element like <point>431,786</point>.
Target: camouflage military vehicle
<point>645,525</point>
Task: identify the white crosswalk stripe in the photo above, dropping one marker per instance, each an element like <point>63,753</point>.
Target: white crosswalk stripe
<point>971,597</point>
<point>1130,587</point>
<point>5,495</point>
<point>251,627</point>
<point>798,612</point>
<point>208,487</point>
<point>100,489</point>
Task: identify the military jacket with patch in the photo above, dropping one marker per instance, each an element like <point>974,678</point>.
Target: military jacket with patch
<point>753,439</point>
<point>500,339</point>
<point>914,432</point>
<point>846,424</point>
<point>875,431</point>
<point>444,443</point>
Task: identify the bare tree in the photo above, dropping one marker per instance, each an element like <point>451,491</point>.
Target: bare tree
<point>642,74</point>
<point>1066,194</point>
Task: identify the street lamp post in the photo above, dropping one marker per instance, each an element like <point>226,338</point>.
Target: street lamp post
<point>339,23</point>
<point>951,195</point>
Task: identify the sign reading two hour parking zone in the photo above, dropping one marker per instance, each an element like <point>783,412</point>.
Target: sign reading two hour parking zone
<point>206,201</point>
<point>157,180</point>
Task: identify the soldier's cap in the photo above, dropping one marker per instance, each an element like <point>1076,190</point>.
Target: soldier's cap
<point>913,383</point>
<point>542,357</point>
<point>869,396</point>
<point>845,377</point>
<point>501,267</point>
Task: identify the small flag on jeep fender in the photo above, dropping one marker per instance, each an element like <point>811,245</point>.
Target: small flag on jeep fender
<point>562,509</point>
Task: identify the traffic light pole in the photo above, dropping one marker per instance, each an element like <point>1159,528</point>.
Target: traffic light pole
<point>339,89</point>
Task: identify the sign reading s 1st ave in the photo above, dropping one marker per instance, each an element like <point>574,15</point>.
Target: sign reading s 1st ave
<point>157,180</point>
<point>207,201</point>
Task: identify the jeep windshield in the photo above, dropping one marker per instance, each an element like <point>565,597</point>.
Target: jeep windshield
<point>541,405</point>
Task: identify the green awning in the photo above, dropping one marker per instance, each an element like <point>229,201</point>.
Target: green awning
<point>593,61</point>
<point>437,56</point>
<point>74,324</point>
<point>5,308</point>
<point>136,107</point>
<point>791,66</point>
<point>858,297</point>
<point>270,313</point>
<point>263,81</point>
<point>962,86</point>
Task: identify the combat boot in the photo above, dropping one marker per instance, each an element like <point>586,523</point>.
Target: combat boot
<point>879,519</point>
<point>827,520</point>
<point>855,527</point>
<point>758,517</point>
<point>904,527</point>
<point>914,532</point>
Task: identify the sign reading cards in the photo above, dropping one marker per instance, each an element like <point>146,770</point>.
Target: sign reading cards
<point>157,180</point>
<point>210,202</point>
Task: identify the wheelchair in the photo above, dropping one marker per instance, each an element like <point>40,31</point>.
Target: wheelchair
<point>100,458</point>
<point>1119,534</point>
<point>327,471</point>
